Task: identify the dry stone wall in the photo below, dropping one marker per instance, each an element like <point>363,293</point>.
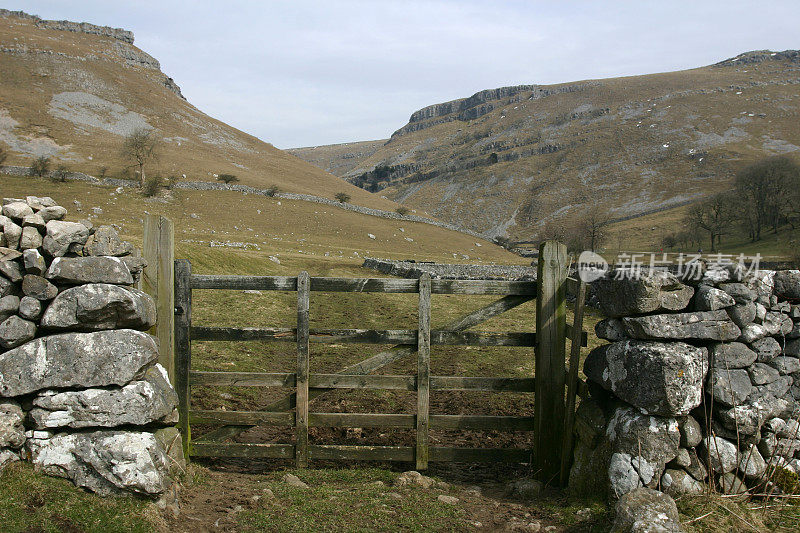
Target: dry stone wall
<point>698,385</point>
<point>81,393</point>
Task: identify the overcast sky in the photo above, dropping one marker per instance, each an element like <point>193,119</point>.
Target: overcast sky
<point>303,73</point>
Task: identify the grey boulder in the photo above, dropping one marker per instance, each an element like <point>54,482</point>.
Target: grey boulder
<point>9,305</point>
<point>708,298</point>
<point>722,454</point>
<point>659,378</point>
<point>30,308</point>
<point>38,287</point>
<point>787,284</point>
<point>767,349</point>
<point>658,291</point>
<point>149,400</point>
<point>646,511</point>
<point>15,331</point>
<point>98,306</point>
<point>106,241</point>
<point>677,483</point>
<point>729,386</point>
<point>610,329</point>
<point>744,314</point>
<point>60,235</point>
<point>12,429</point>
<point>704,325</point>
<point>34,262</point>
<point>785,365</point>
<point>79,270</point>
<point>82,360</point>
<point>105,462</point>
<point>731,355</point>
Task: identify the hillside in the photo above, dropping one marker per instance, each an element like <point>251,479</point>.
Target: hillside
<point>73,91</point>
<point>509,160</point>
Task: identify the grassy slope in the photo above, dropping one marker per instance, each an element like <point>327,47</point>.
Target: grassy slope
<point>619,157</point>
<point>198,145</point>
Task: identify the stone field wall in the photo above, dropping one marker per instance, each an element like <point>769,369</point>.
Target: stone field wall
<point>698,386</point>
<point>81,393</point>
<point>413,270</point>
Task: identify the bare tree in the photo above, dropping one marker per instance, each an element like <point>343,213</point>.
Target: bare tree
<point>716,215</point>
<point>40,166</point>
<point>589,232</point>
<point>766,185</point>
<point>141,147</point>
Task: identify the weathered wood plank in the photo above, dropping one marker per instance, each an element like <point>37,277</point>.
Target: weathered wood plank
<point>366,336</point>
<point>333,452</point>
<point>361,420</point>
<point>485,422</point>
<point>256,418</point>
<point>183,351</point>
<point>385,285</point>
<point>255,283</point>
<point>242,379</point>
<point>244,451</point>
<point>301,451</point>
<point>550,363</point>
<point>358,381</point>
<point>584,339</point>
<point>423,371</point>
<point>572,383</point>
<point>507,384</point>
<point>158,280</point>
<point>480,455</point>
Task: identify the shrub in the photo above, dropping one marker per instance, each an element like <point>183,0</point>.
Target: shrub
<point>40,166</point>
<point>227,178</point>
<point>493,158</point>
<point>3,155</point>
<point>151,185</point>
<point>61,173</point>
<point>342,197</point>
<point>272,190</point>
<point>402,210</point>
<point>101,172</point>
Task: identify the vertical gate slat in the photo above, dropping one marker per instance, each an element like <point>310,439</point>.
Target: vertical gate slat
<point>183,353</point>
<point>423,371</point>
<point>303,286</point>
<point>572,381</point>
<point>550,373</point>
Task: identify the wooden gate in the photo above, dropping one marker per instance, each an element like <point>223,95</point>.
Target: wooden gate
<point>551,422</point>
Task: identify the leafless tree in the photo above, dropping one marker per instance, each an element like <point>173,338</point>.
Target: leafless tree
<point>716,215</point>
<point>141,147</point>
<point>766,186</point>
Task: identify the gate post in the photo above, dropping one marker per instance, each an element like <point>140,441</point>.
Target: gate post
<point>550,371</point>
<point>183,353</point>
<point>158,280</point>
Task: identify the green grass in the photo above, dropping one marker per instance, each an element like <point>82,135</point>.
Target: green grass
<point>30,501</point>
<point>351,500</point>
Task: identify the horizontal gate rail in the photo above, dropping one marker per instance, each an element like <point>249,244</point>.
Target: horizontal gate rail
<point>385,285</point>
<point>361,381</point>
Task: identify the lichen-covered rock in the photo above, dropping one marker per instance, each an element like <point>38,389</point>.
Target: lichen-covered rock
<point>658,378</point>
<point>98,306</point>
<point>751,464</point>
<point>69,360</point>
<point>38,287</point>
<point>766,349</point>
<point>15,331</point>
<point>706,325</point>
<point>12,429</point>
<point>708,298</point>
<point>641,447</point>
<point>106,241</point>
<point>11,270</point>
<point>17,210</point>
<point>646,511</point>
<point>729,386</point>
<point>721,454</point>
<point>150,400</point>
<point>677,483</point>
<point>691,432</point>
<point>53,212</point>
<point>762,374</point>
<point>79,270</point>
<point>34,262</point>
<point>785,365</point>
<point>12,233</point>
<point>9,305</point>
<point>731,355</point>
<point>30,308</point>
<point>610,329</point>
<point>105,462</point>
<point>787,284</point>
<point>659,291</point>
<point>740,292</point>
<point>60,235</point>
<point>744,314</point>
<point>169,438</point>
<point>752,333</point>
<point>31,239</point>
